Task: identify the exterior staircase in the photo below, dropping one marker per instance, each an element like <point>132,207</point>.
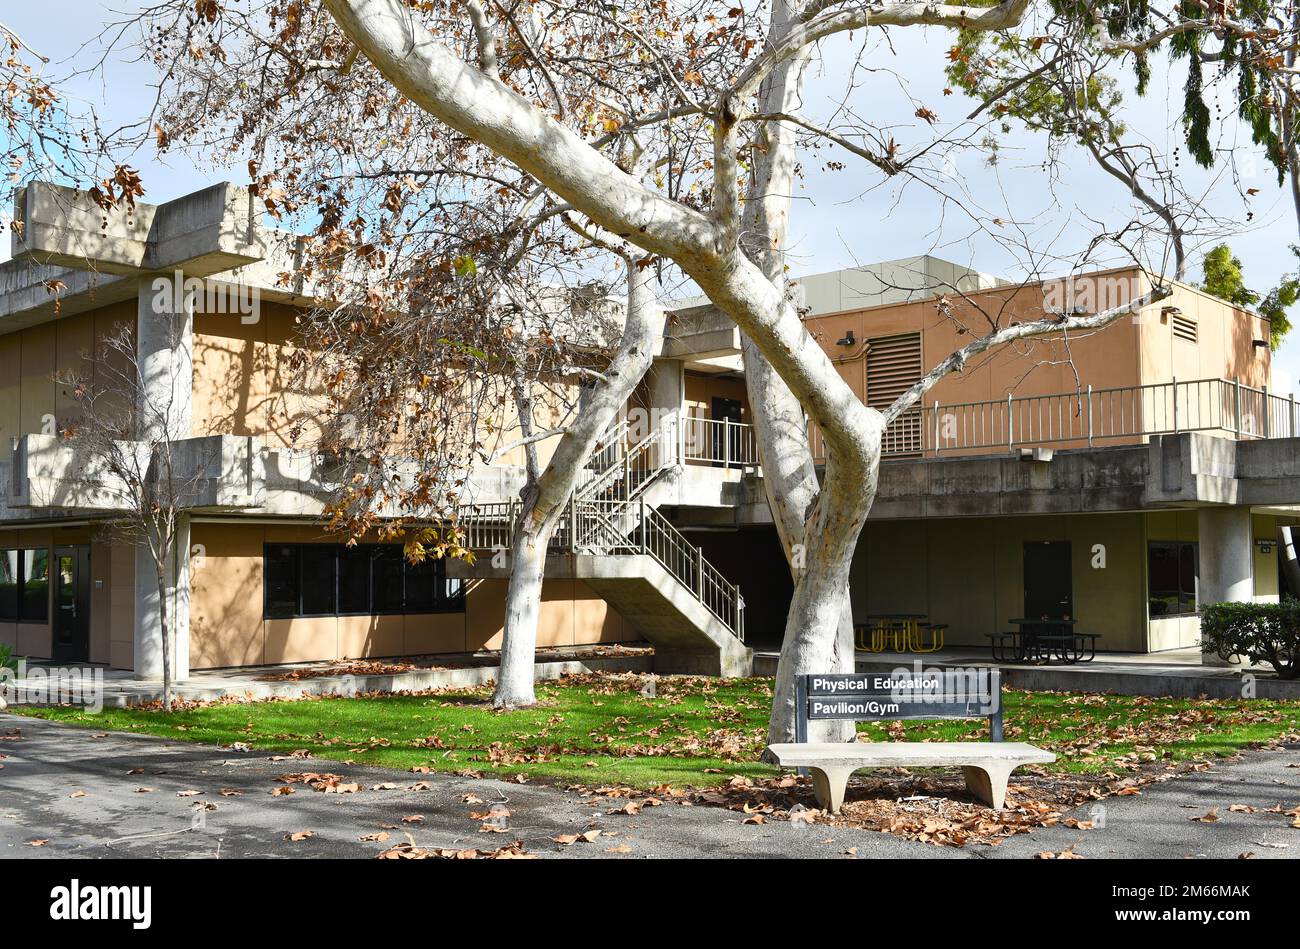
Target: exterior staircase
<point>613,539</point>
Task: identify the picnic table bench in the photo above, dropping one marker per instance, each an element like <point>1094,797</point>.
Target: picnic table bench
<point>938,694</point>
<point>1041,640</point>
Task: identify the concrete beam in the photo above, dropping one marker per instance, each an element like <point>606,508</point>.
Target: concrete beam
<point>214,472</point>
<point>203,233</point>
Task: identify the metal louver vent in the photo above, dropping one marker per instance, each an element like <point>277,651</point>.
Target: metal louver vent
<point>893,367</point>
<point>1184,328</point>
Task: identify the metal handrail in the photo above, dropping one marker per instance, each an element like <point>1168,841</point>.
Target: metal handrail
<point>622,524</point>
<point>1088,415</point>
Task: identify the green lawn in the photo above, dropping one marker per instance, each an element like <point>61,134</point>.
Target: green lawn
<point>695,731</point>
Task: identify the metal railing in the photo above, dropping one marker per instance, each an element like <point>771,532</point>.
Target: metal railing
<point>718,441</point>
<point>608,516</point>
<point>1090,416</point>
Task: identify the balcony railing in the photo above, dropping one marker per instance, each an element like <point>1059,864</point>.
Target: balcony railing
<point>1088,416</point>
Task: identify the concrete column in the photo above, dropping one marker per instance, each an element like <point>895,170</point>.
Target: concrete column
<point>1226,560</point>
<point>164,345</point>
<point>1290,569</point>
<point>164,406</point>
<point>668,395</point>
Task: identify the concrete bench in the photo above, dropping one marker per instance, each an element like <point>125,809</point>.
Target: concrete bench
<point>985,765</point>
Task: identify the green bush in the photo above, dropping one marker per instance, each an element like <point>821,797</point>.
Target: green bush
<point>1262,632</point>
<point>7,658</point>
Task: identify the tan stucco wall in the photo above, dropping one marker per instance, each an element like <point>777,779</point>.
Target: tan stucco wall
<point>227,628</point>
<point>31,358</point>
<point>969,573</point>
<point>702,389</point>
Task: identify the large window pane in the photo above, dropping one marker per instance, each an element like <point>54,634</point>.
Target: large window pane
<point>419,585</point>
<point>35,606</point>
<point>354,580</point>
<point>451,593</point>
<point>386,578</point>
<point>8,585</point>
<point>1171,577</point>
<point>1188,568</point>
<point>318,579</point>
<point>281,580</point>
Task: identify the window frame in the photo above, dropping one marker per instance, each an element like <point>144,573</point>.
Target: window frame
<point>440,601</point>
<point>1178,548</point>
<point>19,612</point>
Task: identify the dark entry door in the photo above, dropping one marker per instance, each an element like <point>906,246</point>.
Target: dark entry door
<point>72,604</point>
<point>728,409</point>
<point>1049,592</point>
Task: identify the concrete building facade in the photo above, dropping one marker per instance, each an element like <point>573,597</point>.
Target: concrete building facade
<point>1121,478</point>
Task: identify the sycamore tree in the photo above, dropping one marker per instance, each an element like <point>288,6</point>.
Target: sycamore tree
<point>676,127</point>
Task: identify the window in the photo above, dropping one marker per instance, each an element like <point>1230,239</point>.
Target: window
<point>280,579</point>
<point>366,579</point>
<point>354,581</point>
<point>8,585</point>
<point>317,563</point>
<point>418,582</point>
<point>1172,567</point>
<point>25,585</point>
<point>386,578</point>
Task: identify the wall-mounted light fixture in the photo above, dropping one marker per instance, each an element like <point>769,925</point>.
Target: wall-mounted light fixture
<point>1168,311</point>
<point>847,340</point>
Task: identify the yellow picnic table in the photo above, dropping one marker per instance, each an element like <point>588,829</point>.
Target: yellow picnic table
<point>901,631</point>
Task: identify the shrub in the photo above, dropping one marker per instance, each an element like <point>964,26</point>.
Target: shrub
<point>7,658</point>
<point>1262,632</point>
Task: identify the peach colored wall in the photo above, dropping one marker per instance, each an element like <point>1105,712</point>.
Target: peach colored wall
<point>1224,347</point>
<point>702,389</point>
<point>1128,352</point>
<point>227,627</point>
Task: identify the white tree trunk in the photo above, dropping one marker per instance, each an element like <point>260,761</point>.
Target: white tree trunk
<point>789,475</point>
<point>544,501</point>
<point>523,603</point>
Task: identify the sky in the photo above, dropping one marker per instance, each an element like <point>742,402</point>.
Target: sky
<point>854,216</point>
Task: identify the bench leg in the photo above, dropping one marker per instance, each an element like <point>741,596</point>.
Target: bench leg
<point>988,782</point>
<point>829,785</point>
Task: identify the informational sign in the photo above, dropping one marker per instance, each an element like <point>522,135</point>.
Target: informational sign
<point>901,694</point>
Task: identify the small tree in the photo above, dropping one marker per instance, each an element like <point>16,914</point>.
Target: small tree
<point>133,416</point>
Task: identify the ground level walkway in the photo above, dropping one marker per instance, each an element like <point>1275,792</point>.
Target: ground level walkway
<point>72,792</point>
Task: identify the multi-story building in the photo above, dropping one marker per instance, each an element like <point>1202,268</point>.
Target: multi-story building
<point>1120,477</point>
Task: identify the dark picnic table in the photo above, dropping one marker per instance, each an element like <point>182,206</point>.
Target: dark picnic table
<point>1038,640</point>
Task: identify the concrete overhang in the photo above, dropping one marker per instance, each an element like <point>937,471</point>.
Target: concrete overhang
<point>212,472</point>
<point>203,233</point>
<point>699,334</point>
